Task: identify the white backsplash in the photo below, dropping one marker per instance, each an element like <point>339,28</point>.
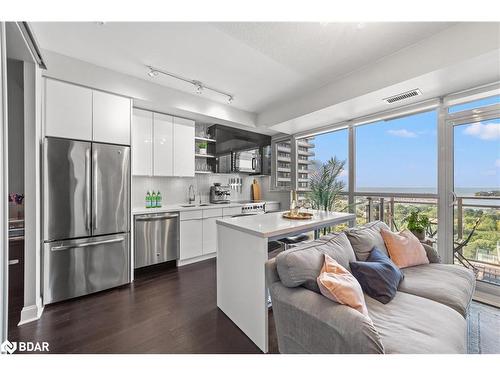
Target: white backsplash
<point>175,189</point>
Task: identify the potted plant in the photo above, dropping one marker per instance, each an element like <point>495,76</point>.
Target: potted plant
<point>417,223</point>
<point>202,148</point>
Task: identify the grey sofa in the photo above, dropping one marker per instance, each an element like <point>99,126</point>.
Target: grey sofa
<point>427,315</point>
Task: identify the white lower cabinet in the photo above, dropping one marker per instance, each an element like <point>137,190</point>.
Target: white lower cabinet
<point>191,241</point>
<point>210,235</point>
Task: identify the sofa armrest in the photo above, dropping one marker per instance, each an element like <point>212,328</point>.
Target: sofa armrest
<point>307,322</point>
<point>432,254</point>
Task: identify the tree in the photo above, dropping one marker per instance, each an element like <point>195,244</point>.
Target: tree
<point>325,185</point>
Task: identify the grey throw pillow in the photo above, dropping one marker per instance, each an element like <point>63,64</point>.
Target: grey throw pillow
<point>364,238</point>
<point>432,254</point>
<point>301,265</point>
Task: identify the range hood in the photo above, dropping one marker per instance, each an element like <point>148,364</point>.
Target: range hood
<point>231,139</point>
<point>241,151</point>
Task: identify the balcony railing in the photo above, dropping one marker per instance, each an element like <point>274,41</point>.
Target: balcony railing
<point>483,249</point>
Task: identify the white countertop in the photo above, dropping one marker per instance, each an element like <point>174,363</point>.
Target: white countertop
<point>178,207</point>
<point>274,224</point>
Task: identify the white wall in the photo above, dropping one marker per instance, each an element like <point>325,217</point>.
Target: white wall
<point>3,187</point>
<point>273,195</point>
<point>15,83</point>
<point>174,190</point>
<point>32,207</point>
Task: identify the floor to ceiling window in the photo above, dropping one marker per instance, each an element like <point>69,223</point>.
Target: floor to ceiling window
<point>476,175</point>
<point>394,171</point>
<point>398,155</point>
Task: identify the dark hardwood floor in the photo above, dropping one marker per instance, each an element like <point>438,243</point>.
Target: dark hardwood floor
<point>162,311</point>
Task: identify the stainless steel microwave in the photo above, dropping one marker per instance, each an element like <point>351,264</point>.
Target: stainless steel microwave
<point>249,161</point>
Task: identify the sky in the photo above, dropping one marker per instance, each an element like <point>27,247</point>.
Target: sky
<point>402,153</point>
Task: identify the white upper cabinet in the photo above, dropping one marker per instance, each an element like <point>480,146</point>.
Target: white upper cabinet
<point>111,118</point>
<point>163,145</point>
<point>68,110</point>
<point>142,143</point>
<point>183,147</point>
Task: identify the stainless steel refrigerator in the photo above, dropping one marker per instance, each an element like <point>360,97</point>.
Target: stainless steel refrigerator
<point>86,218</point>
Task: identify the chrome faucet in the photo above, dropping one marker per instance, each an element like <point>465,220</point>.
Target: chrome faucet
<point>192,197</point>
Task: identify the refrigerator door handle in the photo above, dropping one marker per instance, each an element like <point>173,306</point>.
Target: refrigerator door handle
<point>87,244</point>
<point>88,197</point>
<point>94,189</point>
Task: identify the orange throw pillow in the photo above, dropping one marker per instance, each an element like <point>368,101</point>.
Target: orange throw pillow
<point>404,248</point>
<point>339,285</point>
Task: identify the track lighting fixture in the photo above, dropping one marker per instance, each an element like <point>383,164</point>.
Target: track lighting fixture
<point>198,85</point>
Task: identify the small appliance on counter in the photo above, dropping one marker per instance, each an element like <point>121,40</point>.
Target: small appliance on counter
<point>219,193</point>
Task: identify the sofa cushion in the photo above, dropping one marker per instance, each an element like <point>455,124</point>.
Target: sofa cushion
<point>410,324</point>
<point>339,285</point>
<point>404,248</point>
<point>448,284</point>
<point>301,265</point>
<point>432,254</point>
<point>364,238</point>
<point>379,277</point>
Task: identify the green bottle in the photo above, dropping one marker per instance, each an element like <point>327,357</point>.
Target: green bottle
<point>158,199</point>
<point>153,200</point>
<point>148,200</point>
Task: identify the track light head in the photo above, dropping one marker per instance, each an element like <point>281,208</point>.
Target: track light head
<point>230,99</point>
<point>152,73</point>
<point>199,88</point>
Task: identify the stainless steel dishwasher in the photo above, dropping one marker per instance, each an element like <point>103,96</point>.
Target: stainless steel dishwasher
<point>156,238</point>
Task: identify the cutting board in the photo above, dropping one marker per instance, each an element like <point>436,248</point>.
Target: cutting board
<point>256,190</point>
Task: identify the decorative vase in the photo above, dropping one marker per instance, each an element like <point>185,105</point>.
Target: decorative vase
<point>419,234</point>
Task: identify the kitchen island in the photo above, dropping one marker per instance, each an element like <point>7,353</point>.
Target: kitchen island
<point>242,250</point>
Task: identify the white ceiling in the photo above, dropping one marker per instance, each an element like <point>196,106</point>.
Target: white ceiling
<point>291,76</point>
<point>259,63</point>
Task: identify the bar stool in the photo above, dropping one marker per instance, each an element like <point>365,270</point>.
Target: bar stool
<point>293,241</point>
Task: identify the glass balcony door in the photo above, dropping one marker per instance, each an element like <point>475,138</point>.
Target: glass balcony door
<point>476,204</point>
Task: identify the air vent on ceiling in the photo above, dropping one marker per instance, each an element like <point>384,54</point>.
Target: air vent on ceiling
<point>403,96</point>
